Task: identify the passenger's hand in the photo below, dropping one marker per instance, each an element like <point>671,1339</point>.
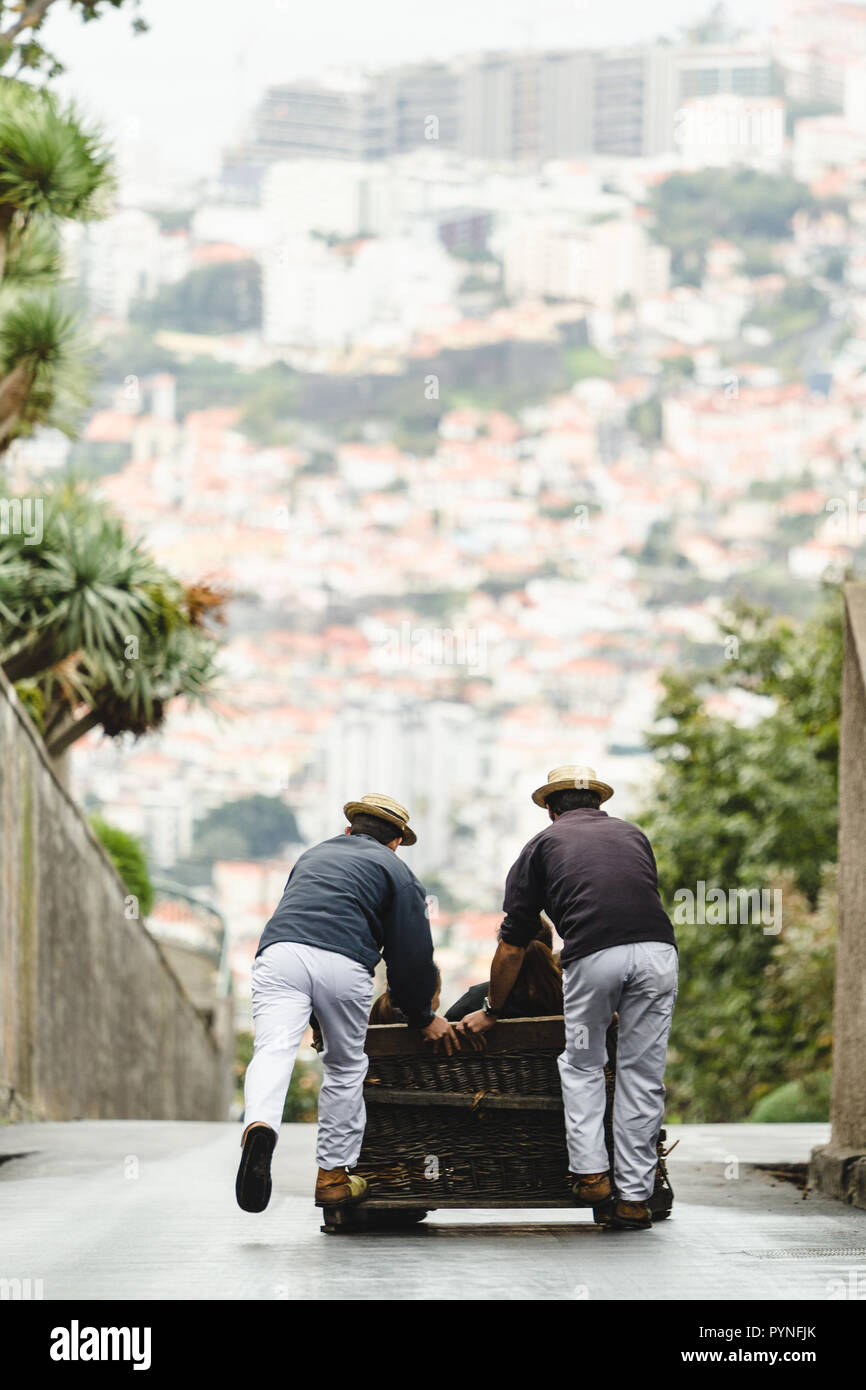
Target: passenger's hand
<point>438,1031</point>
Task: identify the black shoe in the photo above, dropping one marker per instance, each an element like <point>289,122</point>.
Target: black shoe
<point>253,1185</point>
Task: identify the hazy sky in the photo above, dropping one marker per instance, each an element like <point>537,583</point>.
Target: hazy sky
<point>183,89</point>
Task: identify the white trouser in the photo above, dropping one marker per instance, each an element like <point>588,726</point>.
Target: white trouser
<point>289,981</point>
<point>639,982</point>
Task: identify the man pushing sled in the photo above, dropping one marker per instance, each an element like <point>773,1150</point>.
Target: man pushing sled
<point>348,901</point>
<point>595,877</point>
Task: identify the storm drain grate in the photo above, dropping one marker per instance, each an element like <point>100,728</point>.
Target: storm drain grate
<point>817,1252</point>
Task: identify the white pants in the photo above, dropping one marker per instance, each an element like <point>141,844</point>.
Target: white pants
<point>639,982</point>
<point>289,981</point>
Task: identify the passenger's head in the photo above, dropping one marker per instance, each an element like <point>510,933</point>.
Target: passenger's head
<point>545,934</point>
<point>541,974</point>
<point>571,799</point>
<point>384,1011</point>
<point>437,993</point>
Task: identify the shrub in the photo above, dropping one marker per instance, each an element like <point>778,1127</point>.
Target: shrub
<point>797,1102</point>
<point>129,859</point>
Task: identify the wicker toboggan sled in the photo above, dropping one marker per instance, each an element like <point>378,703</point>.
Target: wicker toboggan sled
<point>476,1129</point>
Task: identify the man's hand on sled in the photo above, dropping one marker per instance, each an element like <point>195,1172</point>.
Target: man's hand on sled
<point>438,1031</point>
<point>476,1024</point>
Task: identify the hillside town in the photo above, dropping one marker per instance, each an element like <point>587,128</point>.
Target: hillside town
<point>480,431</point>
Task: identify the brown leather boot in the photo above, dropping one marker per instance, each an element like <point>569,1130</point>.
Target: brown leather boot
<point>631,1216</point>
<point>336,1188</point>
<point>591,1189</point>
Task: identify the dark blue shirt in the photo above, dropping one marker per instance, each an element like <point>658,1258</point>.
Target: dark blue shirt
<point>595,877</point>
<point>355,896</point>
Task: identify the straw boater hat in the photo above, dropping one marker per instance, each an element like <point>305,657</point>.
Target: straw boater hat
<point>561,779</point>
<point>386,808</point>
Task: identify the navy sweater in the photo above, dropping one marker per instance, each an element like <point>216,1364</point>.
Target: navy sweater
<point>355,896</point>
<point>595,877</point>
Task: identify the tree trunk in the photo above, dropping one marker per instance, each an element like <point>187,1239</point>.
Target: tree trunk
<point>73,732</point>
<point>53,718</point>
<point>33,659</point>
<point>7,214</point>
<point>14,390</point>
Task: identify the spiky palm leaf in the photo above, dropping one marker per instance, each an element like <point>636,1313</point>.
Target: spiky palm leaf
<point>87,694</point>
<point>51,161</point>
<point>108,636</point>
<point>44,365</point>
<point>86,585</point>
<point>35,260</point>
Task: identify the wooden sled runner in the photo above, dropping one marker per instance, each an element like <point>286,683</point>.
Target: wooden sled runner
<point>477,1129</point>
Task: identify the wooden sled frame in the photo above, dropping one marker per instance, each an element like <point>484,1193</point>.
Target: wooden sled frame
<point>419,1100</point>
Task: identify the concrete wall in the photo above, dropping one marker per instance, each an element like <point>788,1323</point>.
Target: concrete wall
<point>840,1168</point>
<point>94,1023</point>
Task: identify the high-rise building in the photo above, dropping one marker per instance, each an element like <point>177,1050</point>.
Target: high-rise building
<point>343,117</point>
<point>565,104</point>
<point>720,69</point>
<point>435,759</point>
<point>488,111</point>
<point>526,107</point>
<point>635,100</point>
<point>421,105</point>
<point>356,116</point>
<point>509,107</point>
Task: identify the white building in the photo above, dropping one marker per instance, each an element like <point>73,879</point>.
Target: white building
<point>380,293</point>
<point>249,228</point>
<point>123,258</point>
<point>822,143</point>
<point>596,263</point>
<point>696,316</point>
<point>332,197</point>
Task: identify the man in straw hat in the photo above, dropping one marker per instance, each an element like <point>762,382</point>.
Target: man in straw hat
<point>347,901</point>
<point>595,877</point>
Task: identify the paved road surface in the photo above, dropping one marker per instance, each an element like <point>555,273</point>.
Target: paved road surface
<point>141,1210</point>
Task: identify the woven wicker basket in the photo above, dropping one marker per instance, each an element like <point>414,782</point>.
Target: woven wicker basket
<point>476,1129</point>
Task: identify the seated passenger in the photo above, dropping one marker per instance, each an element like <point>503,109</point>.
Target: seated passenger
<point>537,991</point>
<point>384,1009</point>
